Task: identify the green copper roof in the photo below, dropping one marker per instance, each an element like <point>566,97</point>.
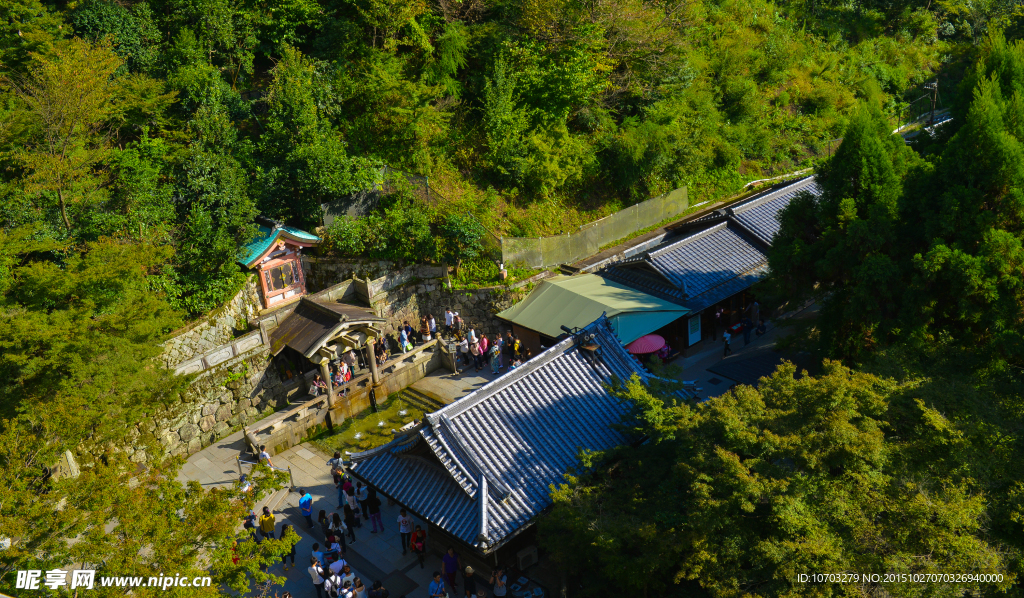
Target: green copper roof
<point>267,236</point>
<point>576,301</point>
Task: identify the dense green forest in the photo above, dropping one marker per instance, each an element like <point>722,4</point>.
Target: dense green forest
<point>139,140</point>
<point>906,460</point>
<point>174,123</point>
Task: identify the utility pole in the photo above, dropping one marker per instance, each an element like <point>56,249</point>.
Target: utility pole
<point>934,88</point>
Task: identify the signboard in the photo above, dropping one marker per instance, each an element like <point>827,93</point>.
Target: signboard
<point>694,330</point>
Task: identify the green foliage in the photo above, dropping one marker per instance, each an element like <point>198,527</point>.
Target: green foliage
<point>134,31</point>
<point>897,246</point>
<point>459,240</point>
<point>742,493</point>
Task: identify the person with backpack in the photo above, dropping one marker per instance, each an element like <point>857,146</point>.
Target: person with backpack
<point>337,466</point>
<point>517,348</point>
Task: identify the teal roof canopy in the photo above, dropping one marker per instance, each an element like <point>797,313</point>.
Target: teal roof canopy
<point>267,236</point>
<point>576,301</point>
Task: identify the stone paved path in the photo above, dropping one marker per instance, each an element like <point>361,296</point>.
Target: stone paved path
<point>372,556</point>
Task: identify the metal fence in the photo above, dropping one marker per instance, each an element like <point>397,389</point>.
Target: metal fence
<point>542,252</point>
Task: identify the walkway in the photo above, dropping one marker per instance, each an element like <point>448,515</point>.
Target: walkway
<point>760,350</point>
<point>372,556</point>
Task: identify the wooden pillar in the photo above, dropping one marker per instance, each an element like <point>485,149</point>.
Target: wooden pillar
<point>374,376</point>
<point>325,373</point>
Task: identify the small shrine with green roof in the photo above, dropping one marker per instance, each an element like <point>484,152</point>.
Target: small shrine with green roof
<point>275,254</point>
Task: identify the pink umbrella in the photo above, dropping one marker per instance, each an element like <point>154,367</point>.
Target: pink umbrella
<point>646,344</point>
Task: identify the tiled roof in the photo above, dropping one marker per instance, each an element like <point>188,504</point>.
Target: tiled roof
<point>267,236</point>
<point>705,260</point>
<point>725,257</point>
<point>481,467</point>
<point>760,216</point>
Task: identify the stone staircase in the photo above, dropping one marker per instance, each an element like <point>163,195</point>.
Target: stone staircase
<point>427,401</point>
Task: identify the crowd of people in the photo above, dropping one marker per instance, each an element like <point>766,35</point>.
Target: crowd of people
<point>329,570</point>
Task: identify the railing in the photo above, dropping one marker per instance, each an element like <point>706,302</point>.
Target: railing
<point>291,479</point>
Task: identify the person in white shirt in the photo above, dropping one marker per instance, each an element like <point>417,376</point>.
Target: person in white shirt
<point>316,573</point>
<point>404,529</point>
<point>337,566</point>
<point>449,319</point>
<point>333,582</point>
<point>265,456</point>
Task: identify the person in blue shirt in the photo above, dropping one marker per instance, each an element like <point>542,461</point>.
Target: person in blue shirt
<point>436,588</point>
<point>306,506</point>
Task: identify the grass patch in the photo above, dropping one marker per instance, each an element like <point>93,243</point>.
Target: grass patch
<point>362,432</point>
<point>484,273</point>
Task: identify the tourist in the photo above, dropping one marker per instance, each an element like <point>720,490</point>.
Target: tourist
<point>418,544</point>
<point>451,564</point>
<point>316,389</point>
<point>496,356</point>
<point>265,456</point>
<point>459,325</point>
<point>727,337</point>
<point>285,529</point>
<point>317,574</point>
<point>344,372</point>
<point>337,466</point>
<point>267,523</point>
<point>319,554</point>
<point>424,329</point>
<point>474,350</point>
<point>464,351</point>
<point>506,346</point>
<point>517,348</point>
<point>249,522</point>
<point>409,332</point>
<point>373,506</point>
<point>332,584</point>
<point>719,322</point>
<point>748,327</point>
<point>449,320</point>
<point>528,356</point>
<point>404,528</point>
<point>351,521</point>
<point>362,493</point>
<point>306,506</point>
<point>358,589</point>
<point>498,578</point>
<point>346,589</point>
<point>339,528</point>
<point>471,335</point>
<point>337,566</point>
<point>350,358</point>
<point>336,545</point>
<point>469,581</point>
<point>325,523</point>
<point>403,338</point>
<point>515,363</point>
<point>379,591</point>
<point>437,589</point>
<point>761,328</point>
<point>485,345</point>
<point>350,497</point>
<point>347,576</point>
<point>433,324</point>
<point>754,311</point>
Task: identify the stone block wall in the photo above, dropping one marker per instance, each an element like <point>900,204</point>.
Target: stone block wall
<point>216,328</point>
<point>478,308</point>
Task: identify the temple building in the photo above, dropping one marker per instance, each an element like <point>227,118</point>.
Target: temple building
<point>479,470</point>
<point>275,254</point>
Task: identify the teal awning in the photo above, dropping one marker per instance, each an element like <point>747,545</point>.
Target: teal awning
<point>576,301</point>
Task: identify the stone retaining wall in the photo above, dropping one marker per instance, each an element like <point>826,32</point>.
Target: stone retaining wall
<point>216,328</point>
